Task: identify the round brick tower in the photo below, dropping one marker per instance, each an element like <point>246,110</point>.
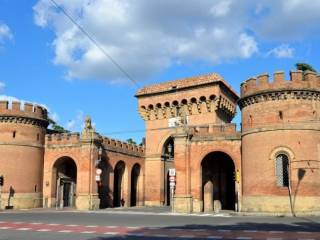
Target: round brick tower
<point>281,143</point>
<point>22,131</point>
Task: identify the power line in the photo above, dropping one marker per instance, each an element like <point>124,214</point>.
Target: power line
<point>96,43</point>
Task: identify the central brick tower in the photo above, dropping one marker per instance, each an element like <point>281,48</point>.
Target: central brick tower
<point>22,131</point>
<point>281,143</point>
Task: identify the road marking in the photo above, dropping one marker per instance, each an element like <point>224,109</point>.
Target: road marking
<point>111,233</point>
<point>244,238</point>
<point>306,239</point>
<point>18,222</point>
<point>275,231</point>
<point>274,238</point>
<point>72,225</point>
<point>23,229</point>
<point>153,228</point>
<point>197,230</point>
<point>43,230</point>
<point>224,230</point>
<point>65,231</point>
<point>91,226</point>
<point>177,229</point>
<point>2,222</point>
<point>88,232</point>
<point>111,226</point>
<point>214,237</point>
<point>304,232</point>
<point>53,224</point>
<point>5,227</point>
<point>250,231</point>
<point>186,236</point>
<point>35,223</point>
<point>133,227</point>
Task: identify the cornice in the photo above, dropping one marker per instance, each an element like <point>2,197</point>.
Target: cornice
<point>23,120</point>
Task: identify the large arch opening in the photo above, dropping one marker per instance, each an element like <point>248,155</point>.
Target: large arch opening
<point>135,175</point>
<point>105,193</point>
<point>65,179</point>
<point>168,162</point>
<point>118,184</point>
<point>218,185</point>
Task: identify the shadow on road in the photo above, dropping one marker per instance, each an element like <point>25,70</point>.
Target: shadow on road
<point>305,225</point>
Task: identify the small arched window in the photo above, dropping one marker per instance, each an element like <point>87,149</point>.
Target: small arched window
<point>282,170</point>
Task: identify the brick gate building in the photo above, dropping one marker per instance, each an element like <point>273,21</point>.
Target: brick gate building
<point>270,165</point>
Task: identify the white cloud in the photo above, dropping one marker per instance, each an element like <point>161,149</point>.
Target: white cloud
<point>5,32</point>
<point>2,86</point>
<point>144,36</point>
<point>282,51</point>
<point>76,124</point>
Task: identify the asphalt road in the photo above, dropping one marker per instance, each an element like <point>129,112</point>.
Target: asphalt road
<point>99,225</point>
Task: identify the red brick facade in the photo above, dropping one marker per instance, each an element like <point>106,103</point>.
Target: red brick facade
<point>271,165</point>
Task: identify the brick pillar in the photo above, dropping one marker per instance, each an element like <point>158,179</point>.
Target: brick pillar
<point>182,201</point>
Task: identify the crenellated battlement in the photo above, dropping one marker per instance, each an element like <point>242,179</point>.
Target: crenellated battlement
<point>298,81</point>
<point>62,138</point>
<point>20,109</point>
<point>117,145</point>
<point>215,130</point>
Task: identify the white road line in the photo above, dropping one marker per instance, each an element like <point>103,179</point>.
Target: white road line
<point>186,236</point>
<point>53,224</point>
<point>65,231</point>
<point>304,232</point>
<point>88,232</point>
<point>214,237</point>
<point>91,226</point>
<point>153,228</point>
<point>244,238</point>
<point>2,222</point>
<point>223,230</point>
<point>72,225</point>
<point>43,230</point>
<point>177,229</point>
<point>23,229</point>
<point>111,233</point>
<point>133,227</point>
<point>5,227</point>
<point>250,231</point>
<point>18,222</point>
<point>275,231</point>
<point>36,223</point>
<point>198,230</point>
<point>111,226</point>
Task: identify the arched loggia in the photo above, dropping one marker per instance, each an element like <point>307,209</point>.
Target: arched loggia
<point>118,183</point>
<point>135,177</point>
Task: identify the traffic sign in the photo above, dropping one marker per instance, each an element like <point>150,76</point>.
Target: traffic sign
<point>98,171</point>
<point>172,172</point>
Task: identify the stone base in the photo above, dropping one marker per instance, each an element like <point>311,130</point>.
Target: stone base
<point>83,202</point>
<point>197,205</point>
<point>22,200</point>
<point>152,204</point>
<point>280,204</point>
<point>182,204</point>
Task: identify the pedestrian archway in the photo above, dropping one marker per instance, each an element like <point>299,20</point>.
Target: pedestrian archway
<point>118,183</point>
<point>218,186</point>
<point>135,179</point>
<point>168,162</point>
<point>64,179</point>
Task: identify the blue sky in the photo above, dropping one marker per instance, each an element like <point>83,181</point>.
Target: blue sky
<point>45,59</point>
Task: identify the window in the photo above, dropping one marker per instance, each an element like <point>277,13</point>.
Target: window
<point>282,170</point>
<point>14,134</point>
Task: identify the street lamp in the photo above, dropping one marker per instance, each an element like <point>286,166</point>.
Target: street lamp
<point>99,157</point>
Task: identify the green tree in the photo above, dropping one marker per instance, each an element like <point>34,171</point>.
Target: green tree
<point>131,141</point>
<point>305,67</point>
<point>56,127</point>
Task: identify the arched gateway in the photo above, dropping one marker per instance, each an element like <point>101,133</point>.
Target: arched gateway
<point>65,179</point>
<point>218,186</point>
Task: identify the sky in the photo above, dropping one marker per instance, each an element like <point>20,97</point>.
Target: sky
<point>46,59</point>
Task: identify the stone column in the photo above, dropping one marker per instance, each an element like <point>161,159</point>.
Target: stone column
<point>182,201</point>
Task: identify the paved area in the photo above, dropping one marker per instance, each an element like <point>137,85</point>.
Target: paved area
<point>133,224</point>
